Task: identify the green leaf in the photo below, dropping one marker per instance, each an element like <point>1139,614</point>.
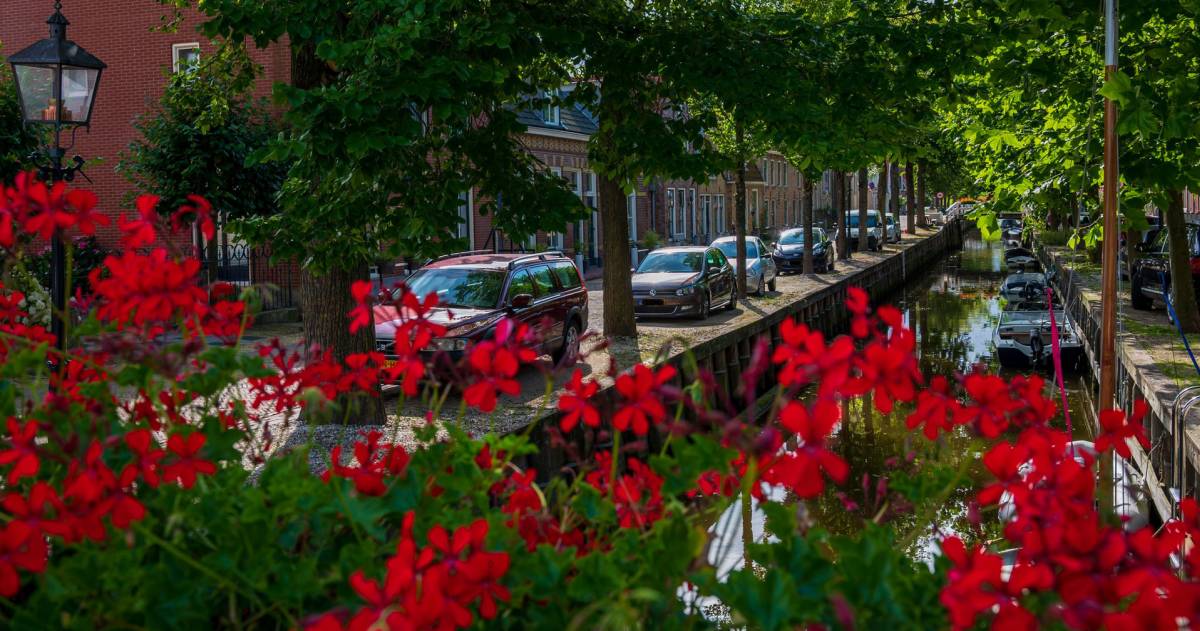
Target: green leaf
<point>1119,88</point>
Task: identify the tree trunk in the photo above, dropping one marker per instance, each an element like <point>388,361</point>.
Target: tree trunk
<point>846,210</point>
<point>911,194</point>
<point>863,202</point>
<point>881,199</point>
<point>618,281</point>
<point>806,209</point>
<point>326,300</point>
<point>894,184</point>
<point>1183,291</point>
<point>839,208</point>
<point>739,213</point>
<point>922,178</point>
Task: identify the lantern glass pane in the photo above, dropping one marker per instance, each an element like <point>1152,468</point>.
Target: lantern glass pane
<point>36,84</point>
<point>78,88</point>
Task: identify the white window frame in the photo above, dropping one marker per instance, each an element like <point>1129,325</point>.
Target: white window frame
<point>552,113</point>
<point>466,213</point>
<point>721,213</point>
<point>692,209</point>
<point>556,240</point>
<point>589,199</point>
<point>631,214</point>
<point>176,57</point>
<point>673,207</point>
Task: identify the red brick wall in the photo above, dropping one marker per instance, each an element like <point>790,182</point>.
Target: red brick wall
<point>119,33</point>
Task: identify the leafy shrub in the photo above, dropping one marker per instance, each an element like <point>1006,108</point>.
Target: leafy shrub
<point>133,471</point>
<point>1056,237</point>
<point>651,240</point>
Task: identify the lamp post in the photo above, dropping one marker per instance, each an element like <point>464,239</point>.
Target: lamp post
<point>56,88</point>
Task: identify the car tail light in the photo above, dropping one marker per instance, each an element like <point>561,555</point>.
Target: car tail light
<point>1195,260</point>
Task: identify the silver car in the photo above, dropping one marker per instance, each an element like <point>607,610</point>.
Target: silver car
<point>761,271</point>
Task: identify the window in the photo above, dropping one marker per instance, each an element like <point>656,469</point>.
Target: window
<point>713,258</point>
<point>705,208</point>
<point>551,112</point>
<point>672,211</point>
<point>543,280</point>
<point>721,213</point>
<point>465,227</point>
<point>692,208</point>
<point>555,239</point>
<point>631,213</point>
<point>568,276</point>
<point>521,283</point>
<point>185,57</point>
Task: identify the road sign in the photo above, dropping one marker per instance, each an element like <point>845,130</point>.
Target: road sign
<point>939,195</point>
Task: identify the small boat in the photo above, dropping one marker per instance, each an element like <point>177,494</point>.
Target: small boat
<point>1023,335</point>
<point>1017,259</point>
<point>1024,286</point>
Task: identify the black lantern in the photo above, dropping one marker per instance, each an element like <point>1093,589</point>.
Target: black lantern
<point>56,79</point>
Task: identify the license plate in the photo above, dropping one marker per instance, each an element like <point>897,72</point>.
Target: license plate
<point>388,363</point>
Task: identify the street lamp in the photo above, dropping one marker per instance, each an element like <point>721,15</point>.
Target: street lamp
<point>56,87</point>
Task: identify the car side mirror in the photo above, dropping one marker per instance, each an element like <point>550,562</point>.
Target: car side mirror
<point>520,301</point>
<point>714,270</point>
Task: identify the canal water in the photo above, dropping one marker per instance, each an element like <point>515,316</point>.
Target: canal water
<point>953,307</point>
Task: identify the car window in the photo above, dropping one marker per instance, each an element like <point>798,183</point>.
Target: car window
<point>543,280</point>
<point>795,237</point>
<point>672,261</point>
<point>521,283</point>
<point>459,286</point>
<point>568,276</point>
<point>1160,242</point>
<point>719,258</point>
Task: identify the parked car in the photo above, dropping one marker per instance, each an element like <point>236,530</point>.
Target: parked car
<point>1147,237</point>
<point>683,281</point>
<point>789,251</point>
<point>476,290</point>
<point>874,230</point>
<point>1151,275</point>
<point>893,229</point>
<point>761,270</point>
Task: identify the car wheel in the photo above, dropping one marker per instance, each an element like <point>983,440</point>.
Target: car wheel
<point>702,312</point>
<point>873,244</point>
<point>761,288</point>
<point>771,285</point>
<point>732,304</point>
<point>1138,299</point>
<point>569,351</point>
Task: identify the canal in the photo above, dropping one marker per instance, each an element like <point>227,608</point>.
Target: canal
<point>953,308</point>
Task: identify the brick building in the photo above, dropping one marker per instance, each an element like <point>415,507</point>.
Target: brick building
<point>122,33</point>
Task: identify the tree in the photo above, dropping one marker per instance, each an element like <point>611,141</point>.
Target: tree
<point>17,142</point>
<point>863,203</point>
<point>393,111</point>
<point>199,139</point>
<point>910,191</point>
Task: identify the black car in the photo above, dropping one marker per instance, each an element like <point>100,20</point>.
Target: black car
<point>789,251</point>
<point>1151,275</point>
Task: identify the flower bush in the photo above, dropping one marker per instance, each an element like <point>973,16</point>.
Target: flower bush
<point>129,501</point>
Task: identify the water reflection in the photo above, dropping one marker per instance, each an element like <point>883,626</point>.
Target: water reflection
<point>953,309</point>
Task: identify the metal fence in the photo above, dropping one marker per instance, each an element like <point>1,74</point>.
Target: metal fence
<point>245,265</point>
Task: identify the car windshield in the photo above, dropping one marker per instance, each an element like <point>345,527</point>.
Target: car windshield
<point>793,237</point>
<point>1009,223</point>
<point>464,288</point>
<point>729,249</point>
<point>872,220</point>
<point>677,262</point>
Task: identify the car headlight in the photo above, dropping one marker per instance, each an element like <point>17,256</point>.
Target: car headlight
<point>686,291</point>
<point>449,344</point>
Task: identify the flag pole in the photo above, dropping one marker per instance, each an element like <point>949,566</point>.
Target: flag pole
<point>1108,300</point>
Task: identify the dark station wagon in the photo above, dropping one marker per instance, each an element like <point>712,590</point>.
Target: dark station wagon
<point>477,289</point>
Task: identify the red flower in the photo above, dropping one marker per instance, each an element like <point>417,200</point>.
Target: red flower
<point>495,363</point>
<point>576,403</point>
<point>889,368</point>
<point>84,202</point>
<point>1005,462</point>
<point>1115,432</point>
<point>637,495</point>
<point>807,359</point>
<point>186,465</point>
<point>971,583</point>
<point>375,460</point>
<point>140,232</point>
<point>23,453</point>
<point>141,443</point>
<point>148,288</point>
<point>47,211</point>
<point>936,409</point>
<point>858,303</point>
<point>803,469</point>
<point>643,404</point>
<point>993,402</point>
<point>360,315</point>
<point>198,211</point>
<point>21,548</point>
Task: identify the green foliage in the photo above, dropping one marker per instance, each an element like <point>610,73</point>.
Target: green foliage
<point>199,139</point>
<point>651,240</point>
<point>16,142</point>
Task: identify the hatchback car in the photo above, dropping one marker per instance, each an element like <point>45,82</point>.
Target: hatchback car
<point>761,270</point>
<point>683,281</point>
<point>476,290</point>
<point>1151,275</point>
<point>789,251</point>
<point>893,230</point>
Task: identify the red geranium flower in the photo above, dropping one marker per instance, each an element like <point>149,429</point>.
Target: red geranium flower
<point>576,403</point>
<point>643,404</point>
<point>148,288</point>
<point>83,203</point>
<point>23,453</point>
<point>803,469</point>
<point>992,402</point>
<point>1115,432</point>
<point>187,463</point>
